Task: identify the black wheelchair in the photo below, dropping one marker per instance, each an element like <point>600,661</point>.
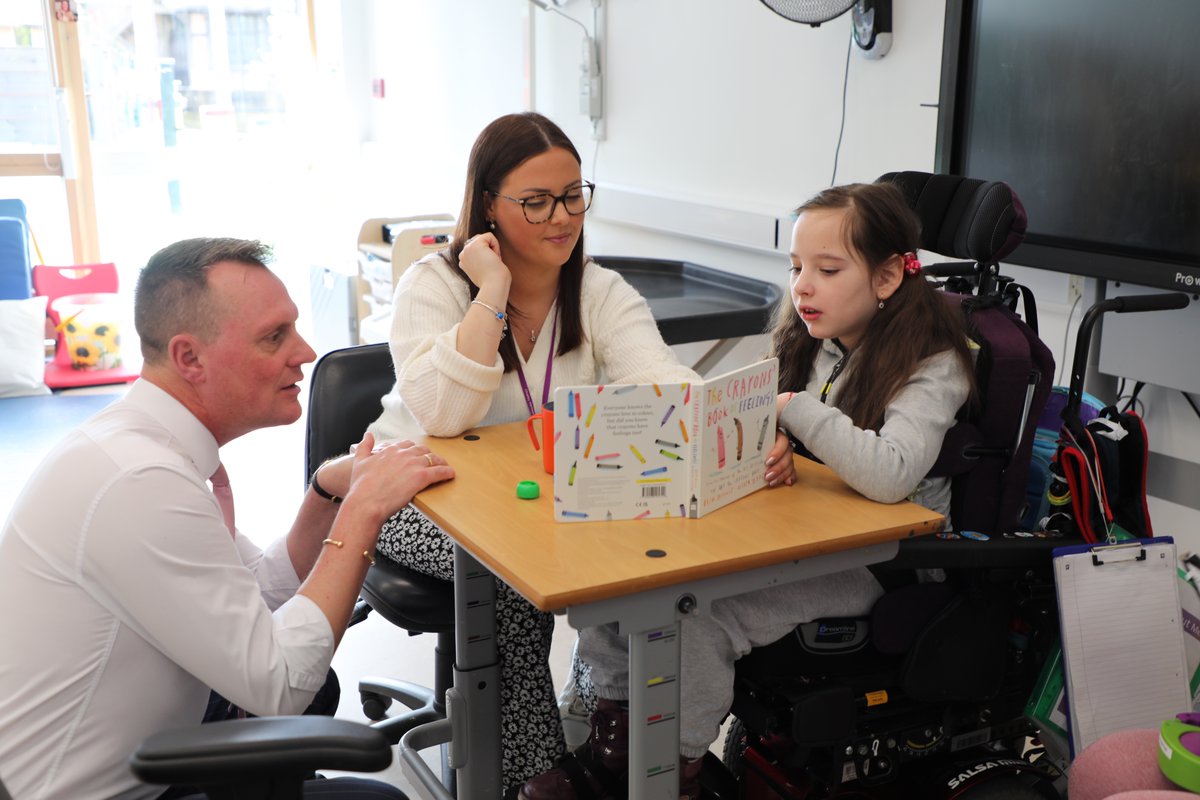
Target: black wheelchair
<point>926,697</point>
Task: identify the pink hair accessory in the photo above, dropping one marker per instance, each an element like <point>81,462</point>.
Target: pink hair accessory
<point>912,266</point>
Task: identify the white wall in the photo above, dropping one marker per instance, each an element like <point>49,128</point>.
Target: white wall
<point>724,103</point>
<point>448,69</point>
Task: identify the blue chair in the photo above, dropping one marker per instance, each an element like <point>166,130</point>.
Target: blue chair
<point>15,263</point>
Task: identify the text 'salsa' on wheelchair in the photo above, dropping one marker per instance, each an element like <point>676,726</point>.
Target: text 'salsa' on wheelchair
<point>925,698</point>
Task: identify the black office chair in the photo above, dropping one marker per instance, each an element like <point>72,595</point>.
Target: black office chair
<point>344,398</point>
<point>266,758</point>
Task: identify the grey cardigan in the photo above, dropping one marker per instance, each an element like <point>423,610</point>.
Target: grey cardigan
<point>891,465</point>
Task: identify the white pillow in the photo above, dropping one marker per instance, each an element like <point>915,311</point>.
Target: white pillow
<point>22,347</point>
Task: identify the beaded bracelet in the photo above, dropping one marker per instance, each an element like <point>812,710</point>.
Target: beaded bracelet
<point>500,315</point>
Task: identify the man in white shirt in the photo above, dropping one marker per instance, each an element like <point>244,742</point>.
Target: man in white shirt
<point>126,592</point>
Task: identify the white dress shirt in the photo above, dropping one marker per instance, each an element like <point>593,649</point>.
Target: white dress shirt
<point>123,599</point>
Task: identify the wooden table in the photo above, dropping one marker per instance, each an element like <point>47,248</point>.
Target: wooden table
<point>643,575</point>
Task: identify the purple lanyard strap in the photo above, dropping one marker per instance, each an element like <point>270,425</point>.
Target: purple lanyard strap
<point>549,368</point>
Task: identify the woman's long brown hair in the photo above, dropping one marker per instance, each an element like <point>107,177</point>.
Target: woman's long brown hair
<point>501,147</point>
<point>915,323</point>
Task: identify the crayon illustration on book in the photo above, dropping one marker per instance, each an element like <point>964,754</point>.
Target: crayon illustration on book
<point>661,450</point>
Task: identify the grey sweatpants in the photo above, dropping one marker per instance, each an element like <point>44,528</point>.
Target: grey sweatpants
<point>710,644</point>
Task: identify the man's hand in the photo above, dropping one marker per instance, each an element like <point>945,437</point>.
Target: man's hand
<point>386,477</point>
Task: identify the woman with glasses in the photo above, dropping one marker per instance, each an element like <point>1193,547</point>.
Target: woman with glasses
<point>482,333</point>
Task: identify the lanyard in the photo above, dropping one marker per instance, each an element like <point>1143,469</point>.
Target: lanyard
<point>833,375</point>
<point>549,368</point>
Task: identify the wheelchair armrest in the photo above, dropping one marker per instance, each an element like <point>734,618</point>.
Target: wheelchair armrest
<point>234,751</point>
<point>931,551</point>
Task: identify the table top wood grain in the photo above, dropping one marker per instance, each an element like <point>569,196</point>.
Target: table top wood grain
<point>555,565</point>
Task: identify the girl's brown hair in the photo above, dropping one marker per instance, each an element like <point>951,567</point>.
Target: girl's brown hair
<point>915,323</point>
<point>501,147</point>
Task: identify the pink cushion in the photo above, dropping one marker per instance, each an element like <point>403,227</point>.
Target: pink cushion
<point>1122,765</point>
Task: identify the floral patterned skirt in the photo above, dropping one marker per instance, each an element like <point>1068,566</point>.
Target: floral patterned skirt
<point>530,727</point>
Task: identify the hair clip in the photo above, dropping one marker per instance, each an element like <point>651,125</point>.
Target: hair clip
<point>911,265</point>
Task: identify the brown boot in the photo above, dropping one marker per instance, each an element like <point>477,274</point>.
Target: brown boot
<point>598,769</point>
<point>689,778</point>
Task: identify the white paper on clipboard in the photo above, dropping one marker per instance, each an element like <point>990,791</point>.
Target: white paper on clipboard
<point>1123,647</point>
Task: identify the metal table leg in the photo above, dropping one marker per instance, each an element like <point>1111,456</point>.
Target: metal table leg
<point>475,711</point>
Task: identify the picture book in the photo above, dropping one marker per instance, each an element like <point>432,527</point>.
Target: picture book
<point>656,450</point>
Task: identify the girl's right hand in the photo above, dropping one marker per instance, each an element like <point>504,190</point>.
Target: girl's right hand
<point>481,260</point>
<point>781,470</point>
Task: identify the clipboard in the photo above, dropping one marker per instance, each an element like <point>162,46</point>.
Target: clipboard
<point>1122,637</point>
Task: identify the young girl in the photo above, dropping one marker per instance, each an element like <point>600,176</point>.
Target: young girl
<point>874,365</point>
<point>482,334</point>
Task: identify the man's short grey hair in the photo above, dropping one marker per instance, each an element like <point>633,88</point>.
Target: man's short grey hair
<point>172,294</point>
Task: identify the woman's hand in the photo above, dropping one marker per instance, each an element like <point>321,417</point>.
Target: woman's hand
<point>481,260</point>
<point>781,469</point>
<point>387,477</point>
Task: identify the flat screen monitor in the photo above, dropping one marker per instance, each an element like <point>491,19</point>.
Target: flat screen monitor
<point>1090,111</point>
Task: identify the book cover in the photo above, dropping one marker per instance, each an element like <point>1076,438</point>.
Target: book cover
<point>642,451</point>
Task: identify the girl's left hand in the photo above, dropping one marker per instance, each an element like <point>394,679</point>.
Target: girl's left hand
<point>781,469</point>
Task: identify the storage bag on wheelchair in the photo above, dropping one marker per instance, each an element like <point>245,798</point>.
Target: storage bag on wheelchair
<point>1045,446</point>
<point>1104,465</point>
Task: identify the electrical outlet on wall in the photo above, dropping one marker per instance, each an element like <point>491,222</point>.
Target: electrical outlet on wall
<point>1074,288</point>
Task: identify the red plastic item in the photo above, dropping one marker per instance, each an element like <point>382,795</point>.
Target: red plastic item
<point>79,279</point>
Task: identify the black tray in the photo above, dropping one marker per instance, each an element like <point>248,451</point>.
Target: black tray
<point>694,303</point>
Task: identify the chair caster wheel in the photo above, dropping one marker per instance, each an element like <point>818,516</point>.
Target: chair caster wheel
<point>375,706</point>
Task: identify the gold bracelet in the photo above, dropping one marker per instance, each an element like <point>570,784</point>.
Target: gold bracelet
<point>500,315</point>
<point>366,553</point>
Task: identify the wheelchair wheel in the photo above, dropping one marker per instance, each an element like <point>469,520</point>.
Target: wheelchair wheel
<point>1006,788</point>
<point>993,777</point>
<point>733,754</point>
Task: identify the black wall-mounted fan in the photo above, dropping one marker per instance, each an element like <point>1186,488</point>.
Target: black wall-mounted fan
<point>872,19</point>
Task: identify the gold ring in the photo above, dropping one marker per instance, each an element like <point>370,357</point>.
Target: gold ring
<point>429,458</point>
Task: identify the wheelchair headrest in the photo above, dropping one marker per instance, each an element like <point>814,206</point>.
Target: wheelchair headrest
<point>963,217</point>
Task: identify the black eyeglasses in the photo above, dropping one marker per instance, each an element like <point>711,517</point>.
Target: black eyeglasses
<point>540,208</point>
